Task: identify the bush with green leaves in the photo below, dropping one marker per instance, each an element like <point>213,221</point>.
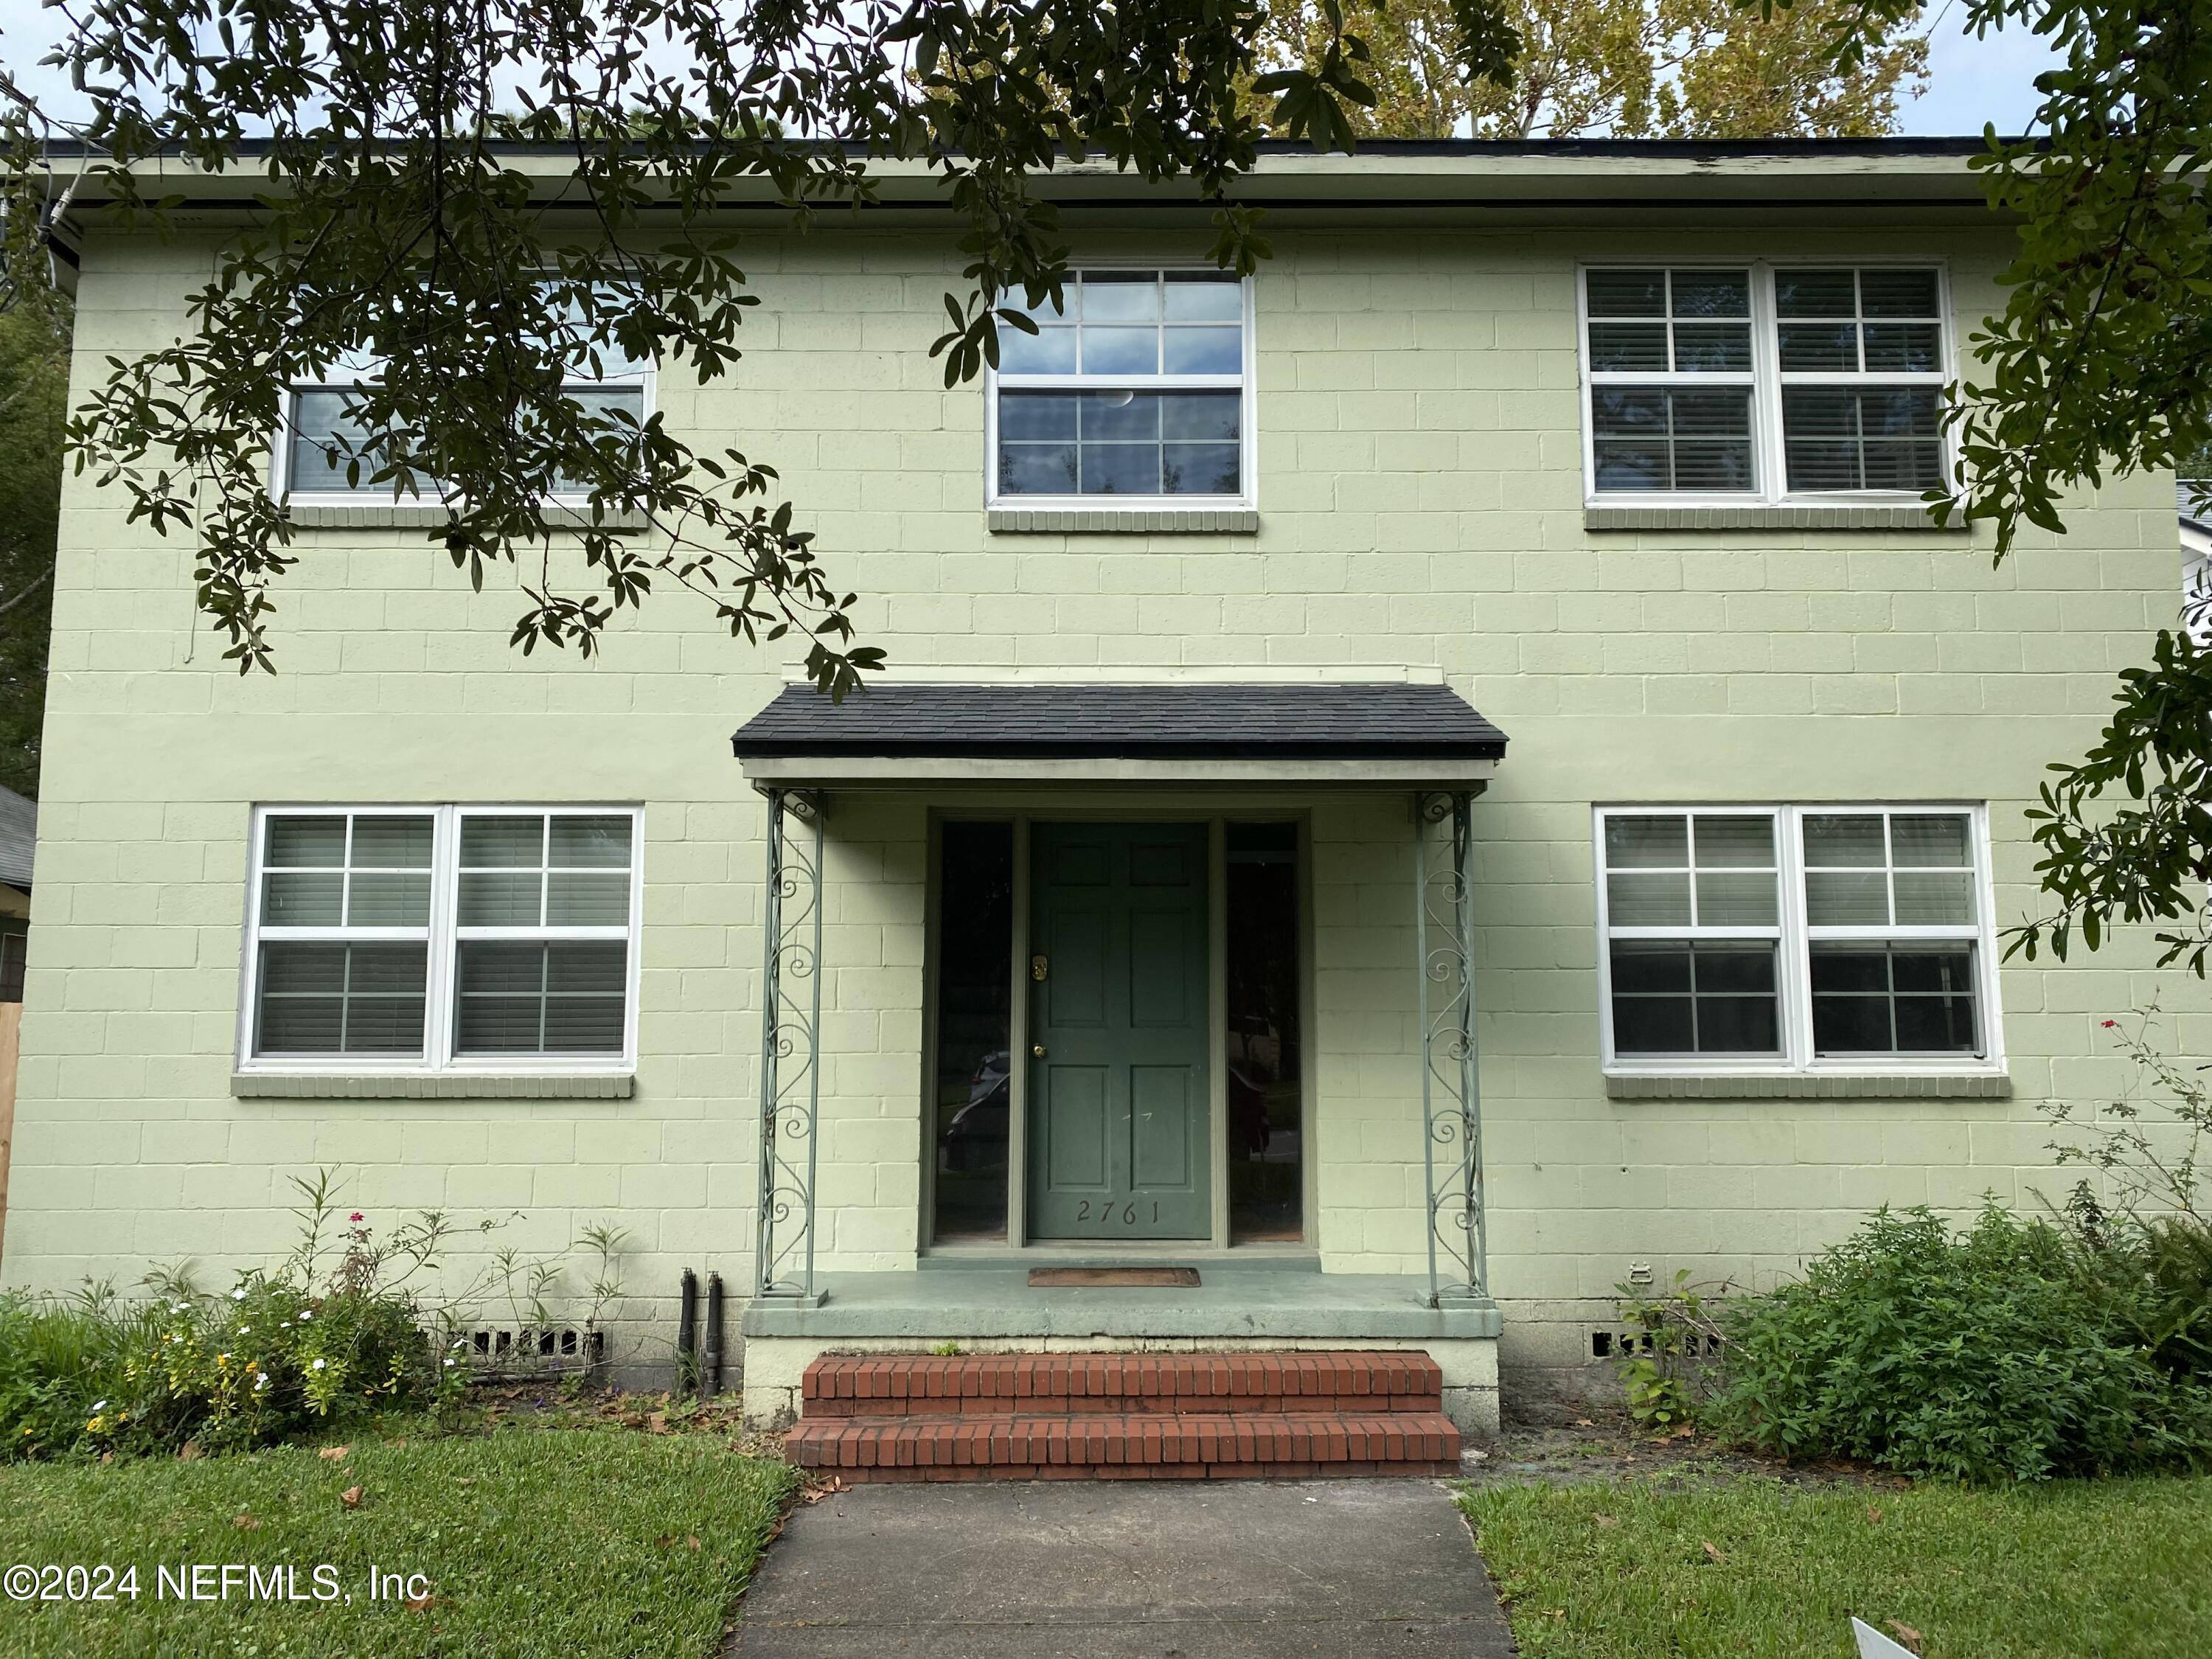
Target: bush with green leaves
<point>1990,1353</point>
<point>352,1324</point>
<point>61,1362</point>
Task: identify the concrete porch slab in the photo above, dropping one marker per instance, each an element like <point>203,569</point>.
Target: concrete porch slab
<point>1072,1570</point>
<point>1241,1303</point>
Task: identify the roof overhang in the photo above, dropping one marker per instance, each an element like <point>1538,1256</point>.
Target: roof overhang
<point>1415,182</point>
<point>1358,735</point>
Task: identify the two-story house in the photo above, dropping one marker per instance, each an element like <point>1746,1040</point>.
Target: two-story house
<point>1411,789</point>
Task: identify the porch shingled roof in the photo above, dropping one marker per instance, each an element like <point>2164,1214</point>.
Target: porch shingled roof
<point>1181,720</point>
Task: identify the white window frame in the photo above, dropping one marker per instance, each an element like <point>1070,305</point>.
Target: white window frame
<point>1769,456</point>
<point>361,369</point>
<point>444,936</point>
<point>1244,381</point>
<point>1793,939</point>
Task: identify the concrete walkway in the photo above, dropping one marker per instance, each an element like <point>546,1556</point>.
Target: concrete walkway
<point>1137,1569</point>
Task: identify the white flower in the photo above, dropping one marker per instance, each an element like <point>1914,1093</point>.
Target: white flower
<point>449,1365</point>
<point>244,1329</point>
<point>305,1314</point>
<point>99,1405</point>
<point>176,1338</point>
<point>238,1295</point>
<point>317,1366</point>
<point>181,1307</point>
<point>260,1382</point>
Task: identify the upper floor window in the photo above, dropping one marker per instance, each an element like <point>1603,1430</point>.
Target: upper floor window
<point>421,938</point>
<point>1794,937</point>
<point>318,447</point>
<point>1138,388</point>
<point>1761,382</point>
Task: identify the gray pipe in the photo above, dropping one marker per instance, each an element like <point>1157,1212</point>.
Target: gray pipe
<point>687,1332</point>
<point>710,1379</point>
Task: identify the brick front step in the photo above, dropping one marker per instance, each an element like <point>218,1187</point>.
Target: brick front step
<point>1127,1445</point>
<point>877,1385</point>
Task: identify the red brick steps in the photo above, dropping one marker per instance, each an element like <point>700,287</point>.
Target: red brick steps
<point>897,1417</point>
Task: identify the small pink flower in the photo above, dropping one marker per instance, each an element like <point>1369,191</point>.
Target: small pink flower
<point>355,1216</point>
<point>2110,1024</point>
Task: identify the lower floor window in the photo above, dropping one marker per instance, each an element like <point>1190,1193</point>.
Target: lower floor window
<point>1788,937</point>
<point>427,937</point>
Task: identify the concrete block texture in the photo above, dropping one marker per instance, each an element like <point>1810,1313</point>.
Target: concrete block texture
<point>1420,506</point>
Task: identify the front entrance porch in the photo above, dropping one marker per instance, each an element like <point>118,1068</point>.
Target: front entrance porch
<point>1183,1000</point>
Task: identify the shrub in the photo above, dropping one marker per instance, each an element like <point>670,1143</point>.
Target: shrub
<point>341,1330</point>
<point>61,1362</point>
<point>1995,1353</point>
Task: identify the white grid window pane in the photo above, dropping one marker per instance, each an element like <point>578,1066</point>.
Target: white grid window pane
<point>1764,381</point>
<point>537,997</point>
<point>543,874</point>
<point>1883,954</point>
<point>334,998</point>
<point>1851,326</point>
<point>1891,999</point>
<point>1708,874</point>
<point>1675,436</point>
<point>1133,388</point>
<point>324,454</point>
<point>442,934</point>
<point>1880,870</point>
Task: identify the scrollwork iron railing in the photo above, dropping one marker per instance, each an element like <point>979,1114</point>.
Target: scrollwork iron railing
<point>791,1055</point>
<point>1451,1101</point>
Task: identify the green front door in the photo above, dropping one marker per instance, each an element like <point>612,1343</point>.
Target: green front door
<point>1120,1050</point>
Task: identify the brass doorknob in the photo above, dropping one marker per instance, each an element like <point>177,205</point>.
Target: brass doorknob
<point>1037,1049</point>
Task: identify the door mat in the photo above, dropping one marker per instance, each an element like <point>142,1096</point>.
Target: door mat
<point>1154,1276</point>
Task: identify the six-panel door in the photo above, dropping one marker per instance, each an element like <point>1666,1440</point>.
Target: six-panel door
<point>1119,1008</point>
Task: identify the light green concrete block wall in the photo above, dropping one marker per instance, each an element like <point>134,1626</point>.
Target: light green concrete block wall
<point>1421,504</point>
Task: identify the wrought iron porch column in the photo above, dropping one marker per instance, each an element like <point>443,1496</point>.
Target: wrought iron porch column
<point>791,1040</point>
<point>1451,1101</point>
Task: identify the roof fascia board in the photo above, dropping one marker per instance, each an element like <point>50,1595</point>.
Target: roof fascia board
<point>845,771</point>
<point>1378,179</point>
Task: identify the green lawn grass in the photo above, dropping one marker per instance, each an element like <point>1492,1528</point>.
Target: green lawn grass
<point>2066,1569</point>
<point>574,1542</point>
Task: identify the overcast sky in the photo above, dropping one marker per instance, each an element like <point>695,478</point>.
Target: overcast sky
<point>1972,83</point>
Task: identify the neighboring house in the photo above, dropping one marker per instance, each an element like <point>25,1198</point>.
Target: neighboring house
<point>2196,558</point>
<point>1541,516</point>
<point>19,835</point>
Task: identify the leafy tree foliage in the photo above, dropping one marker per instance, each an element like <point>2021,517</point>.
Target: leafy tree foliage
<point>2101,363</point>
<point>34,332</point>
<point>398,219</point>
<point>1626,69</point>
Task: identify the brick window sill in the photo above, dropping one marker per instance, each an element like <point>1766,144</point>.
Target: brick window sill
<point>393,515</point>
<point>1907,518</point>
<point>441,1085</point>
<point>1812,1085</point>
<point>1123,520</point>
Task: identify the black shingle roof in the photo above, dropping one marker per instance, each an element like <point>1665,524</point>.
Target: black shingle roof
<point>1183,719</point>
